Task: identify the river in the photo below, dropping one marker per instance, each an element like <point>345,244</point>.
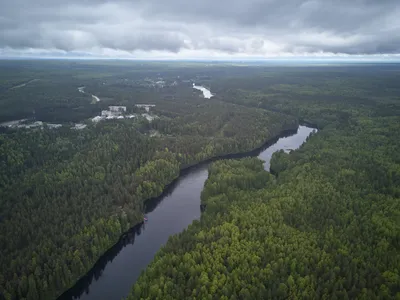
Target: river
<point>206,92</point>
<point>81,89</point>
<point>117,270</point>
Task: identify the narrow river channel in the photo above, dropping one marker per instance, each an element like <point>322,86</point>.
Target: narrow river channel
<point>115,273</point>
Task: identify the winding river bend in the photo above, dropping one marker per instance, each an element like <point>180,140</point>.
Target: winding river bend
<point>119,268</point>
<point>206,92</point>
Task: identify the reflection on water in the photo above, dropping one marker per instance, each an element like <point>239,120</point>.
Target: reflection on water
<point>118,269</point>
<point>206,93</point>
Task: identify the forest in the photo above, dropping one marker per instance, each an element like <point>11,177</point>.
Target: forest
<point>325,227</point>
<point>323,224</point>
<point>68,195</point>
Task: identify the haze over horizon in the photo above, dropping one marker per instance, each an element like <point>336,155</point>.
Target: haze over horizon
<point>236,29</point>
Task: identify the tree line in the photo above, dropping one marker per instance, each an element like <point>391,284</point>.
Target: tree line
<point>67,195</point>
<point>325,227</point>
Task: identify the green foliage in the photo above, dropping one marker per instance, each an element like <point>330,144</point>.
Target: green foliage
<point>66,196</point>
<point>327,226</point>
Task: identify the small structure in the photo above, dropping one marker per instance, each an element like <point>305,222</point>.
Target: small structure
<point>118,112</point>
<point>146,106</point>
<point>55,126</point>
<point>113,111</point>
<point>148,117</point>
<point>160,83</point>
<point>106,113</point>
<point>97,119</point>
<point>79,126</point>
<point>119,109</point>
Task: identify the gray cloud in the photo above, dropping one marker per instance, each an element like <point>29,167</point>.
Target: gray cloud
<point>200,28</point>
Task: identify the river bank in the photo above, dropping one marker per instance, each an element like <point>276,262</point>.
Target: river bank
<point>183,198</point>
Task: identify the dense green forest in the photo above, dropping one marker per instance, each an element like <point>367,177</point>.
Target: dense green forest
<point>66,196</point>
<point>48,90</point>
<point>326,225</point>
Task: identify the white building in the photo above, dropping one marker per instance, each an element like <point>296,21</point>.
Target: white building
<point>146,106</point>
<point>113,111</point>
<point>107,113</point>
<point>117,108</point>
<point>97,119</point>
<point>79,126</point>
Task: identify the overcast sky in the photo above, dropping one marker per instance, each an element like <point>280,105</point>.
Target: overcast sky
<point>200,29</point>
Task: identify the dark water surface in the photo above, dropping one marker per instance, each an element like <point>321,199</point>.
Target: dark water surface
<point>119,268</point>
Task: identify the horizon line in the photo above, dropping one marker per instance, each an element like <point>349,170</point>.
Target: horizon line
<point>220,59</point>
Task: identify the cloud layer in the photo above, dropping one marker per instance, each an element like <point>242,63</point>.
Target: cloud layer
<point>199,29</point>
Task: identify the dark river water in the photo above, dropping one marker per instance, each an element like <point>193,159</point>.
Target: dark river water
<point>114,274</point>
